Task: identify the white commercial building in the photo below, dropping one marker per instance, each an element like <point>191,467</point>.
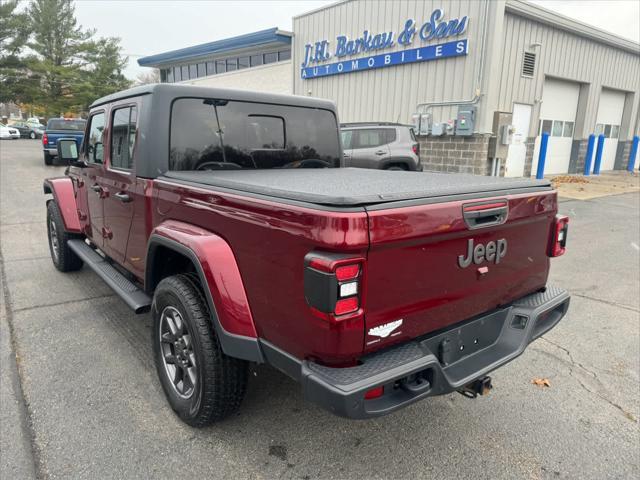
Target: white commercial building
<point>482,80</point>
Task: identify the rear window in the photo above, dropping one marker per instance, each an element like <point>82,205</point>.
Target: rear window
<point>213,134</point>
<point>62,124</point>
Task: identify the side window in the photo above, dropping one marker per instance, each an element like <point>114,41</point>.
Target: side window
<point>389,135</point>
<point>123,136</point>
<point>94,145</point>
<point>370,138</point>
<point>347,136</point>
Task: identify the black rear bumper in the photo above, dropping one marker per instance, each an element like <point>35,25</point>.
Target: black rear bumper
<point>434,365</point>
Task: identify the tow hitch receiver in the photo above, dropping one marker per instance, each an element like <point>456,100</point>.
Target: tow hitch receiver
<point>481,386</point>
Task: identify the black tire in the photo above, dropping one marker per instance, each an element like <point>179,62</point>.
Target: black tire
<point>32,135</point>
<point>396,167</point>
<point>48,159</point>
<point>64,259</point>
<point>220,381</point>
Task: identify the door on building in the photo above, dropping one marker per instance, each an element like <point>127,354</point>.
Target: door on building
<point>557,118</point>
<point>518,149</point>
<point>608,123</point>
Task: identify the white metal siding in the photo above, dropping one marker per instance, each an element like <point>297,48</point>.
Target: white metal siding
<point>273,78</point>
<point>391,93</point>
<point>564,55</point>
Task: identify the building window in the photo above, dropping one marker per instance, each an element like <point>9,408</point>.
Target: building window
<point>170,75</point>
<point>193,71</point>
<point>163,76</point>
<point>243,62</point>
<point>185,72</point>
<point>615,131</point>
<point>221,66</point>
<point>568,129</point>
<point>211,68</point>
<point>256,60</point>
<point>607,131</point>
<point>177,74</point>
<point>599,129</point>
<point>232,64</point>
<point>202,70</point>
<point>270,57</point>
<point>284,55</point>
<point>557,128</point>
<point>528,64</point>
<point>546,127</point>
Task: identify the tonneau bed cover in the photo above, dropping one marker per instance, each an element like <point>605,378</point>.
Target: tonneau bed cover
<point>352,187</point>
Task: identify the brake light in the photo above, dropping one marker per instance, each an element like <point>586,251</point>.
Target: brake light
<point>416,148</point>
<point>332,285</point>
<point>346,305</point>
<point>376,392</point>
<point>559,239</point>
<point>347,272</point>
<point>45,139</point>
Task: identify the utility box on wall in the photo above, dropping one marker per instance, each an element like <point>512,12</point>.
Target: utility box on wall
<point>502,135</point>
<point>465,120</point>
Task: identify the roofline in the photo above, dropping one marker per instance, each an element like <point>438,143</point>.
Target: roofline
<point>239,42</point>
<point>181,90</point>
<point>562,22</point>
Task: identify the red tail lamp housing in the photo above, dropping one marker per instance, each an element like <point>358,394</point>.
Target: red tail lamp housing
<point>45,139</point>
<point>333,285</point>
<point>559,236</point>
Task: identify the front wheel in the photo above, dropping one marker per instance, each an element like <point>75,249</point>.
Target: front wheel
<point>32,135</point>
<point>48,159</point>
<point>64,259</point>
<point>201,383</point>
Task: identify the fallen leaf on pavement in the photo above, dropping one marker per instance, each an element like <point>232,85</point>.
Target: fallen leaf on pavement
<point>541,382</point>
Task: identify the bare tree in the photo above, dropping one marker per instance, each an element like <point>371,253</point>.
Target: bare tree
<point>145,78</point>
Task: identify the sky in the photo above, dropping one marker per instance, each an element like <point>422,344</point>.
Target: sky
<point>154,26</point>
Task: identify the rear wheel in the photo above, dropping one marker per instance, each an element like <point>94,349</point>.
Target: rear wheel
<point>396,167</point>
<point>201,383</point>
<point>62,256</point>
<point>48,159</point>
<point>32,135</point>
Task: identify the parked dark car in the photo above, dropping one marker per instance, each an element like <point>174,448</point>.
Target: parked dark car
<point>28,130</point>
<point>384,146</point>
<point>58,128</point>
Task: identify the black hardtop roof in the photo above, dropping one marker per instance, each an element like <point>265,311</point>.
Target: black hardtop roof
<point>171,91</point>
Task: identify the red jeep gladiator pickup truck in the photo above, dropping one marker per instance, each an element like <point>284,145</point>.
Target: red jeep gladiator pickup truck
<point>221,212</point>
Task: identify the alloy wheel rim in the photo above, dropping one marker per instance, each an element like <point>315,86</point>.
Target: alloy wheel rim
<point>176,348</point>
<point>53,238</point>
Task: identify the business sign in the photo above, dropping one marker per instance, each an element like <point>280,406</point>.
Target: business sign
<point>316,54</point>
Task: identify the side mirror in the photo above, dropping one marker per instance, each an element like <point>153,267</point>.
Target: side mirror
<point>68,151</point>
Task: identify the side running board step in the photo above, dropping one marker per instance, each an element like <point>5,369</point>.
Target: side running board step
<point>133,296</point>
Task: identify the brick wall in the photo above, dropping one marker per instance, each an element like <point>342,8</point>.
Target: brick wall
<point>622,155</point>
<point>456,154</point>
<point>528,157</point>
<point>579,155</point>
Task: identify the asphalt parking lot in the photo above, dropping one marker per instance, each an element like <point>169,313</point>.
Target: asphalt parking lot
<point>80,398</point>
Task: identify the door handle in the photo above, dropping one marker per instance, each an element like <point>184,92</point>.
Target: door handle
<point>380,152</point>
<point>123,197</point>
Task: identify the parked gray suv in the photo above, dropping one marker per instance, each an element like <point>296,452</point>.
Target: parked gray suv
<point>384,146</point>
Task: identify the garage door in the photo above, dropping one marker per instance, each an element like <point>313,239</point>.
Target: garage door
<point>608,123</point>
<point>557,118</point>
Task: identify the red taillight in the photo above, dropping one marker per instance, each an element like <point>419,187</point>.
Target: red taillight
<point>559,240</point>
<point>45,139</point>
<point>374,393</point>
<point>346,305</point>
<point>416,148</point>
<point>347,272</point>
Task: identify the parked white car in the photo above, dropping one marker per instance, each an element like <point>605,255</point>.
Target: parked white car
<point>8,132</point>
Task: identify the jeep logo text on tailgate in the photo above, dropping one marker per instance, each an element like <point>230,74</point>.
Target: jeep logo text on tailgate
<point>491,252</point>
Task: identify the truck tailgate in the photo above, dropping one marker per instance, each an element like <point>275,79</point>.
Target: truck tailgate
<point>414,273</point>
